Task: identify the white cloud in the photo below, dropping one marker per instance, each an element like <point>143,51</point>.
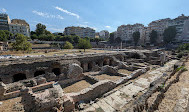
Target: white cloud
<point>67,12</point>
<point>108,26</point>
<point>3,10</point>
<point>43,23</point>
<point>86,22</point>
<point>42,14</point>
<point>56,29</point>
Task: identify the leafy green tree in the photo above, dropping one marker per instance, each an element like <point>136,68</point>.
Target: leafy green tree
<point>111,39</point>
<point>3,36</point>
<point>68,45</point>
<point>21,43</point>
<point>169,34</point>
<point>9,34</point>
<point>76,39</point>
<point>84,44</point>
<point>40,29</point>
<point>153,37</point>
<point>136,37</point>
<point>34,36</point>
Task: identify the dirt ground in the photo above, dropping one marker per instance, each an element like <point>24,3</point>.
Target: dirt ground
<point>124,71</point>
<point>108,77</point>
<point>12,105</point>
<point>76,87</point>
<point>173,93</point>
<point>51,52</point>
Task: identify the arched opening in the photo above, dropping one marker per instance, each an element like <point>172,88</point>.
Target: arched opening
<point>18,77</point>
<point>105,63</point>
<point>40,72</point>
<point>0,80</point>
<point>56,71</point>
<point>82,66</point>
<point>135,55</point>
<point>111,62</point>
<point>90,66</point>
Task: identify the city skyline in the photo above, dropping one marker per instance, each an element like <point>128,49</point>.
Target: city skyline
<point>100,15</point>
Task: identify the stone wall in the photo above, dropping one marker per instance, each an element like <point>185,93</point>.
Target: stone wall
<point>93,91</point>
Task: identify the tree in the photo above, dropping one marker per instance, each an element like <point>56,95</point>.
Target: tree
<point>84,44</point>
<point>40,29</point>
<point>68,45</point>
<point>136,37</point>
<point>21,43</point>
<point>169,34</point>
<point>9,34</point>
<point>111,39</point>
<point>34,36</point>
<point>3,36</point>
<point>76,39</point>
<point>118,40</point>
<point>153,37</point>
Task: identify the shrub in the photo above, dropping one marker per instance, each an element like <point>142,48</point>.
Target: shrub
<point>68,45</point>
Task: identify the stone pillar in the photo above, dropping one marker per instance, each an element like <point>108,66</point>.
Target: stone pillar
<point>3,90</point>
<point>28,100</point>
<point>85,67</point>
<point>108,61</point>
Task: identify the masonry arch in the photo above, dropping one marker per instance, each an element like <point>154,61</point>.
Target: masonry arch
<point>39,72</point>
<point>111,63</point>
<point>105,62</point>
<point>56,71</point>
<point>18,77</point>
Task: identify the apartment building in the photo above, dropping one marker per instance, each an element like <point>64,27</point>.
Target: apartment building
<point>104,34</point>
<point>125,32</point>
<point>159,26</point>
<point>181,24</point>
<point>97,35</point>
<point>80,31</point>
<point>15,25</point>
<point>19,26</point>
<point>4,21</point>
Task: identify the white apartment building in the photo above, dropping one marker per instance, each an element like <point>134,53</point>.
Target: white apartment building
<point>19,26</point>
<point>181,24</point>
<point>159,26</point>
<point>80,31</point>
<point>104,34</point>
<point>125,32</point>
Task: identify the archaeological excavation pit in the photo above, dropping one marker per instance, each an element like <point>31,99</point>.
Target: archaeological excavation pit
<point>107,77</point>
<point>125,71</point>
<point>77,86</point>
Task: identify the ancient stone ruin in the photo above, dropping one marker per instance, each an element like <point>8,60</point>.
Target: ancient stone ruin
<point>79,82</point>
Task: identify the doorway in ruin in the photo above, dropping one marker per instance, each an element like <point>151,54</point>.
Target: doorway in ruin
<point>90,66</point>
<point>82,66</point>
<point>18,77</point>
<point>40,72</point>
<point>0,80</point>
<point>105,62</point>
<point>56,71</point>
<point>111,63</point>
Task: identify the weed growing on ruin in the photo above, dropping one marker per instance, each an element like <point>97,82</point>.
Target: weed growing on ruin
<point>99,109</point>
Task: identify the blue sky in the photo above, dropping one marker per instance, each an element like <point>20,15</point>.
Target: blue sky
<point>98,14</point>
